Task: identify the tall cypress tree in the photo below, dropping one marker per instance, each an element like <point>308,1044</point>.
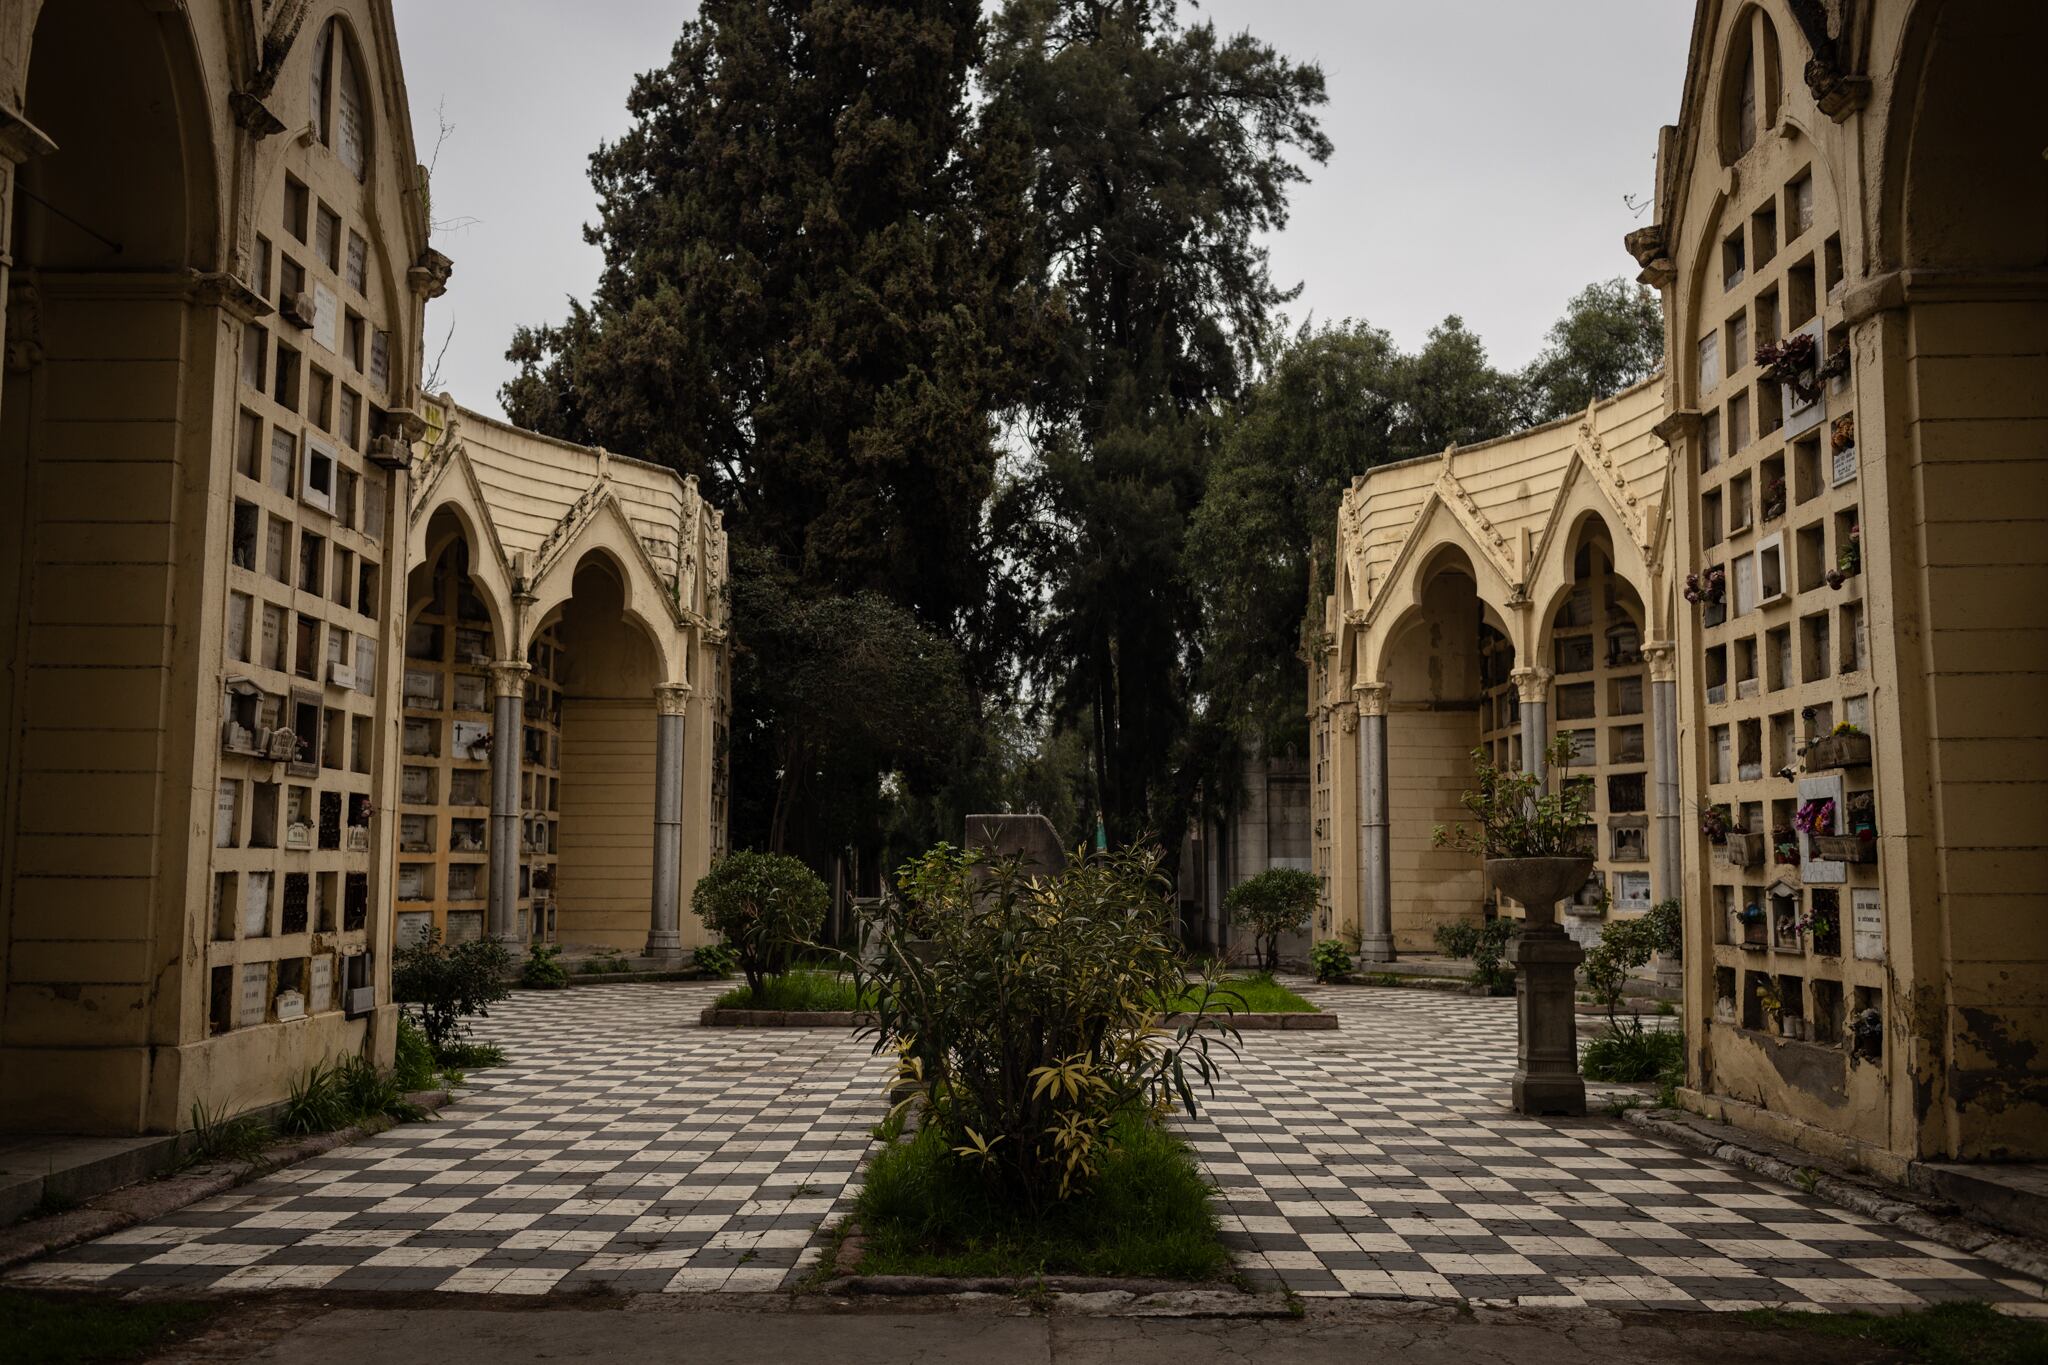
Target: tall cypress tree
<point>815,291</point>
<point>1159,152</point>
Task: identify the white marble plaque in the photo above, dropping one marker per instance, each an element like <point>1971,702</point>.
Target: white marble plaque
<point>256,905</point>
<point>321,996</point>
<point>253,1004</point>
<point>1866,916</point>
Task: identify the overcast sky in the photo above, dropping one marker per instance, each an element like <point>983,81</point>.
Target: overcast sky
<point>1483,150</point>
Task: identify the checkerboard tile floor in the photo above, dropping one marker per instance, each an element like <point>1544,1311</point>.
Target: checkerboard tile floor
<point>625,1147</point>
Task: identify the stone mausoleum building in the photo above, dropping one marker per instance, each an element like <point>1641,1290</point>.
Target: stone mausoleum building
<point>1791,597</point>
<point>295,661</point>
<point>565,691</point>
<point>1857,191</point>
<point>1488,598</point>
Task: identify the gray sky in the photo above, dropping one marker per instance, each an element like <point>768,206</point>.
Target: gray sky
<point>1482,151</point>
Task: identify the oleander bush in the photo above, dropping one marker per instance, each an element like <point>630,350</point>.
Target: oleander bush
<point>1025,1016</point>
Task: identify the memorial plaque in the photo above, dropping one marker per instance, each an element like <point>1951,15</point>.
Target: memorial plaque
<point>1866,916</point>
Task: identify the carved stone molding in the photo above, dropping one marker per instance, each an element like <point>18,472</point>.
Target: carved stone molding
<point>1660,659</point>
<point>1371,698</point>
<point>225,289</point>
<point>508,678</point>
<point>1838,92</point>
<point>1677,426</point>
<point>24,327</point>
<point>253,116</point>
<point>429,275</point>
<point>1532,684</point>
<point>1653,254</point>
<point>672,699</point>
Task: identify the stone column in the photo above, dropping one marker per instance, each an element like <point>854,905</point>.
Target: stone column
<point>1375,876</point>
<point>1661,666</point>
<point>1547,1079</point>
<point>508,745</point>
<point>1532,688</point>
<point>664,920</point>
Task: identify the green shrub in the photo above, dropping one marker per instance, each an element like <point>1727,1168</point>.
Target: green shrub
<point>447,985</point>
<point>1028,1026</point>
<point>367,1093</point>
<point>415,1067</point>
<point>314,1103</point>
<point>1667,927</point>
<point>1629,1052</point>
<point>217,1137</point>
<point>717,959</point>
<point>924,889</point>
<point>1625,944</point>
<point>605,962</point>
<point>1330,959</point>
<point>1275,902</point>
<point>543,970</point>
<point>765,905</point>
<point>1457,938</point>
<point>925,1212</point>
<point>1486,943</point>
<point>468,1056</point>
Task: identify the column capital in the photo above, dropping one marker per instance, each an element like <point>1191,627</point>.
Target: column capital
<point>508,677</point>
<point>672,699</point>
<point>1532,684</point>
<point>1660,657</point>
<point>1371,697</point>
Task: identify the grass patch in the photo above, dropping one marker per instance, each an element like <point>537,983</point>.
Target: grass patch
<point>470,1056</point>
<point>89,1331</point>
<point>924,1211</point>
<point>1260,993</point>
<point>799,990</point>
<point>1630,1053</point>
<point>1962,1333</point>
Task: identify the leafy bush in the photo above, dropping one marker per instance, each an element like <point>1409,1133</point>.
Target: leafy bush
<point>1517,817</point>
<point>925,889</point>
<point>605,961</point>
<point>1667,927</point>
<point>543,970</point>
<point>764,905</point>
<point>450,984</point>
<point>336,1094</point>
<point>716,958</point>
<point>1629,1052</point>
<point>1029,1027</point>
<point>415,1067</point>
<point>1625,944</point>
<point>1330,959</point>
<point>1275,902</point>
<point>467,1056</point>
<point>217,1137</point>
<point>1457,938</point>
<point>1486,943</point>
<point>925,1212</point>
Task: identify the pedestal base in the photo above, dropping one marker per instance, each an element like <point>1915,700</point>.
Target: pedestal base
<point>1547,1079</point>
<point>666,943</point>
<point>1376,948</point>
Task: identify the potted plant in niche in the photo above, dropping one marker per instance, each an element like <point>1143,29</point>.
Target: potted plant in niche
<point>1714,824</point>
<point>1850,562</point>
<point>1846,746</point>
<point>1792,362</point>
<point>1785,846</point>
<point>1754,930</point>
<point>1532,840</point>
<point>1707,587</point>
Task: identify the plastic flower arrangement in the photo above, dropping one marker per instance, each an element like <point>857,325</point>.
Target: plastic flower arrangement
<point>1708,585</point>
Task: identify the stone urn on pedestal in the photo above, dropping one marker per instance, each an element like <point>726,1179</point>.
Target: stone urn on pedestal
<point>1533,840</point>
<point>1546,961</point>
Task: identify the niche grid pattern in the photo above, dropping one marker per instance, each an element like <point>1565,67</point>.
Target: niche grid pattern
<point>310,530</point>
<point>625,1148</point>
<point>1774,484</point>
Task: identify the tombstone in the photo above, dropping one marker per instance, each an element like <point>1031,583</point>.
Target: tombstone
<point>1005,836</point>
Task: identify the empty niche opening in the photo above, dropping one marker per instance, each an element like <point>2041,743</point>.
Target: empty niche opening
<point>1827,1012</point>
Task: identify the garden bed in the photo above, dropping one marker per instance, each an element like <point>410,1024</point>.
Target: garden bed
<point>720,1016</point>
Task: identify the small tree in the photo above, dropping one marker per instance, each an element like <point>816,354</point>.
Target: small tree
<point>1275,902</point>
<point>764,905</point>
<point>447,984</point>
